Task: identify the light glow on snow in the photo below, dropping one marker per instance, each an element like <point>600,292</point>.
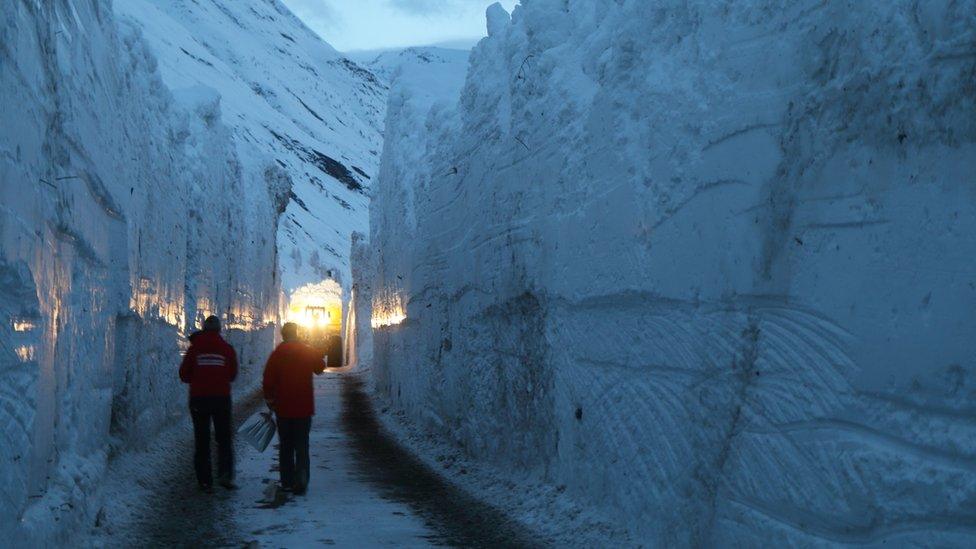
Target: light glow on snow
<point>388,319</point>
<point>21,325</point>
<point>242,317</point>
<point>243,324</point>
<point>25,353</point>
<point>148,301</point>
<point>204,308</point>
<point>388,310</point>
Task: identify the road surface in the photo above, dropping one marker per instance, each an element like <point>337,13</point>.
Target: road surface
<point>364,491</point>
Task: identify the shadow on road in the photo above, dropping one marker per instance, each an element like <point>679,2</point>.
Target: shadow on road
<point>461,519</point>
<point>182,516</point>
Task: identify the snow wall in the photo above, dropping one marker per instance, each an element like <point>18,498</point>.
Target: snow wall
<point>707,265</point>
<point>125,217</point>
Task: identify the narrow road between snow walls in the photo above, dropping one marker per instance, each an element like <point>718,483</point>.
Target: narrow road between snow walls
<point>365,491</point>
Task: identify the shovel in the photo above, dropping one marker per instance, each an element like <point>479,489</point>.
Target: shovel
<point>258,430</point>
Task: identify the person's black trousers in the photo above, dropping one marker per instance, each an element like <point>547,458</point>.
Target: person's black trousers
<point>218,410</point>
<point>293,463</point>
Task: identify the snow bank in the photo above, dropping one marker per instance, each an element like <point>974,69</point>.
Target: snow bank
<point>707,266</point>
<point>126,215</point>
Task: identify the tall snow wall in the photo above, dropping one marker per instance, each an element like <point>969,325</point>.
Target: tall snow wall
<point>708,265</point>
<point>125,217</point>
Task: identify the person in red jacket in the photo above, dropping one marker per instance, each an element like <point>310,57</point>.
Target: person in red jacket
<point>288,391</point>
<point>209,366</point>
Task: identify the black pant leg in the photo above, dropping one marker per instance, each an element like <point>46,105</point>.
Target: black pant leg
<point>224,436</point>
<point>200,412</point>
<point>302,428</point>
<point>286,451</point>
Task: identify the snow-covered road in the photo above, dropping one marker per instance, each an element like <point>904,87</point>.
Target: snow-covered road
<point>365,491</point>
<point>339,508</point>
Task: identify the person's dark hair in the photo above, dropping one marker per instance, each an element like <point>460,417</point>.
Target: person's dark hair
<point>211,324</point>
<point>289,331</point>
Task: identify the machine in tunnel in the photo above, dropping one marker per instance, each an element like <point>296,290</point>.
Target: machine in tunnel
<point>317,309</point>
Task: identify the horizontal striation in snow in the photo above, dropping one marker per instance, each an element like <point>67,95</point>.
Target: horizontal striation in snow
<point>709,266</point>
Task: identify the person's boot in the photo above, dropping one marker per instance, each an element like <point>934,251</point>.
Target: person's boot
<point>227,483</point>
<point>206,488</point>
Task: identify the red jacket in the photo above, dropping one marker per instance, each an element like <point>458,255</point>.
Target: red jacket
<point>288,379</point>
<point>209,365</point>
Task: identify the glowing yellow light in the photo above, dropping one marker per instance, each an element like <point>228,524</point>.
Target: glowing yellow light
<point>23,325</point>
<point>149,300</point>
<point>388,320</point>
<point>317,306</point>
<point>25,353</point>
<point>388,309</point>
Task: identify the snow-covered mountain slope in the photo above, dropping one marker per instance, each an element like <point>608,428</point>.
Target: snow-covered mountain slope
<point>436,73</point>
<point>290,99</point>
<point>128,212</point>
<point>706,266</point>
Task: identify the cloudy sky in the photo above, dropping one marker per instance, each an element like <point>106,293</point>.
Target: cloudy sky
<point>351,25</point>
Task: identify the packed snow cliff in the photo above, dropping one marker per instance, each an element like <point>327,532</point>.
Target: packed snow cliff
<point>148,151</point>
<point>707,266</point>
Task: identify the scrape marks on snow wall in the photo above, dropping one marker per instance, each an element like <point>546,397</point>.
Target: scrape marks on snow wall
<point>707,266</point>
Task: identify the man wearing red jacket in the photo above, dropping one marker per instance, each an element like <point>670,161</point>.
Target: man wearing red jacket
<point>209,366</point>
<point>288,391</point>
